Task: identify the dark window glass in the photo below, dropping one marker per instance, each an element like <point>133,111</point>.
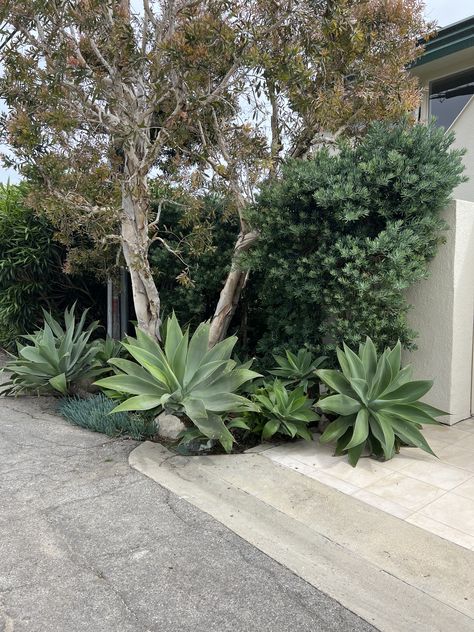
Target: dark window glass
<point>449,95</point>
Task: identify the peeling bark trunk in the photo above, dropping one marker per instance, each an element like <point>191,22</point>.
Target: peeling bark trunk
<point>135,244</point>
<point>230,293</point>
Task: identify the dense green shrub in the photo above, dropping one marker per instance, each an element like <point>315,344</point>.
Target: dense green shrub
<point>93,413</point>
<point>205,250</point>
<point>31,269</point>
<point>342,236</point>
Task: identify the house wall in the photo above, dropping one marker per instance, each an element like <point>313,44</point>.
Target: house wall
<point>463,126</point>
<point>443,314</point>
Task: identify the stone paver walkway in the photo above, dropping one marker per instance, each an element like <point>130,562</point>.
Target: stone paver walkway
<point>436,494</point>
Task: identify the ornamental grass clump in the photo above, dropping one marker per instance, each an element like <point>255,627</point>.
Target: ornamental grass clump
<point>183,377</point>
<point>377,403</point>
<point>93,413</point>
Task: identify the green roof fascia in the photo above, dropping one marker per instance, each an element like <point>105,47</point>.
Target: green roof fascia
<point>447,41</point>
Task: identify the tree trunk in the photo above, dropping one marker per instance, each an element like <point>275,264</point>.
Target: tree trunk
<point>135,243</point>
<point>230,293</point>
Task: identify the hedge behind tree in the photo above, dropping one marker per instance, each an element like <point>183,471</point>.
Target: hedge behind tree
<point>342,236</point>
<point>31,270</point>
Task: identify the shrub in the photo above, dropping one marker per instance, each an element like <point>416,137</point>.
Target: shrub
<point>377,403</point>
<point>56,358</point>
<point>183,378</point>
<point>31,269</point>
<point>343,235</point>
<point>205,246</point>
<point>279,411</point>
<point>94,413</point>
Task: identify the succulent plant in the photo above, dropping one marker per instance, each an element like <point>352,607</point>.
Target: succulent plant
<point>377,403</point>
<point>55,357</point>
<point>182,377</point>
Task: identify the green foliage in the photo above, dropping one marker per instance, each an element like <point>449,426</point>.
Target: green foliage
<point>279,411</point>
<point>298,369</point>
<point>377,403</point>
<point>204,238</point>
<point>204,242</point>
<point>56,358</point>
<point>94,413</point>
<point>182,377</point>
<point>31,268</point>
<point>106,349</point>
<point>343,235</point>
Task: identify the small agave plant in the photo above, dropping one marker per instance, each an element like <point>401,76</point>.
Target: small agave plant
<point>182,377</point>
<point>280,411</point>
<point>377,403</point>
<point>297,369</point>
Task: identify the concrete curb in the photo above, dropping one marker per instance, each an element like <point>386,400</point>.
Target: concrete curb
<point>393,574</point>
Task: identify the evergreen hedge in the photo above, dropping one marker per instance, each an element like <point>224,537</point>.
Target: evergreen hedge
<point>31,269</point>
<point>343,235</point>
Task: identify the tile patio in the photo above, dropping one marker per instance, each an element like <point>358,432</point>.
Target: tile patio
<point>436,494</point>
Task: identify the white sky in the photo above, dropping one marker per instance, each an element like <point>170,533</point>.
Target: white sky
<point>444,12</point>
<point>448,11</point>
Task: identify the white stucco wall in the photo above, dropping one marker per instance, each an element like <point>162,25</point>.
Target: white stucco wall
<point>443,314</point>
<point>463,127</point>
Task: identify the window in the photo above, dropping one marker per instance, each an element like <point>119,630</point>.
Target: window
<point>449,95</point>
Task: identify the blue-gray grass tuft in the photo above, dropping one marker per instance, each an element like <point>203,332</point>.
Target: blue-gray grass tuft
<point>93,414</point>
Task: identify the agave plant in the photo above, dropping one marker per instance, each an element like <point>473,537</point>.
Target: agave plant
<point>107,349</point>
<point>182,377</point>
<point>298,369</point>
<point>279,411</point>
<point>377,403</point>
<point>54,358</point>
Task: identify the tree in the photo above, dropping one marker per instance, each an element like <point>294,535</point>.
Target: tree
<point>98,96</point>
<point>206,93</point>
<point>327,75</point>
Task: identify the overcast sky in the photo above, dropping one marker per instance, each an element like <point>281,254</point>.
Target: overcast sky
<point>444,12</point>
<point>448,11</point>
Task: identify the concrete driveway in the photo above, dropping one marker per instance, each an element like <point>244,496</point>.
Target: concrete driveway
<point>89,545</point>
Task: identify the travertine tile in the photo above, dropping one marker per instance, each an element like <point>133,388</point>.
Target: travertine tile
<point>319,456</point>
<point>406,491</point>
<point>438,528</point>
<point>329,480</point>
<point>466,489</point>
<point>367,471</point>
<point>409,456</point>
<point>447,434</point>
<point>283,459</point>
<point>467,425</point>
<point>437,473</point>
<point>452,510</point>
<point>467,442</point>
<point>382,503</point>
<point>458,456</point>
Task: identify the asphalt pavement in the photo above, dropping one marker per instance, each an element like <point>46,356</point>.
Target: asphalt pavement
<point>88,544</point>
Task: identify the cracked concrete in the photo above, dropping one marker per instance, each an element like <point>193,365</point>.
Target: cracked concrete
<point>87,543</point>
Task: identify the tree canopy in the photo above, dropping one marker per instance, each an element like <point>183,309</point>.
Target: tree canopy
<point>205,94</point>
